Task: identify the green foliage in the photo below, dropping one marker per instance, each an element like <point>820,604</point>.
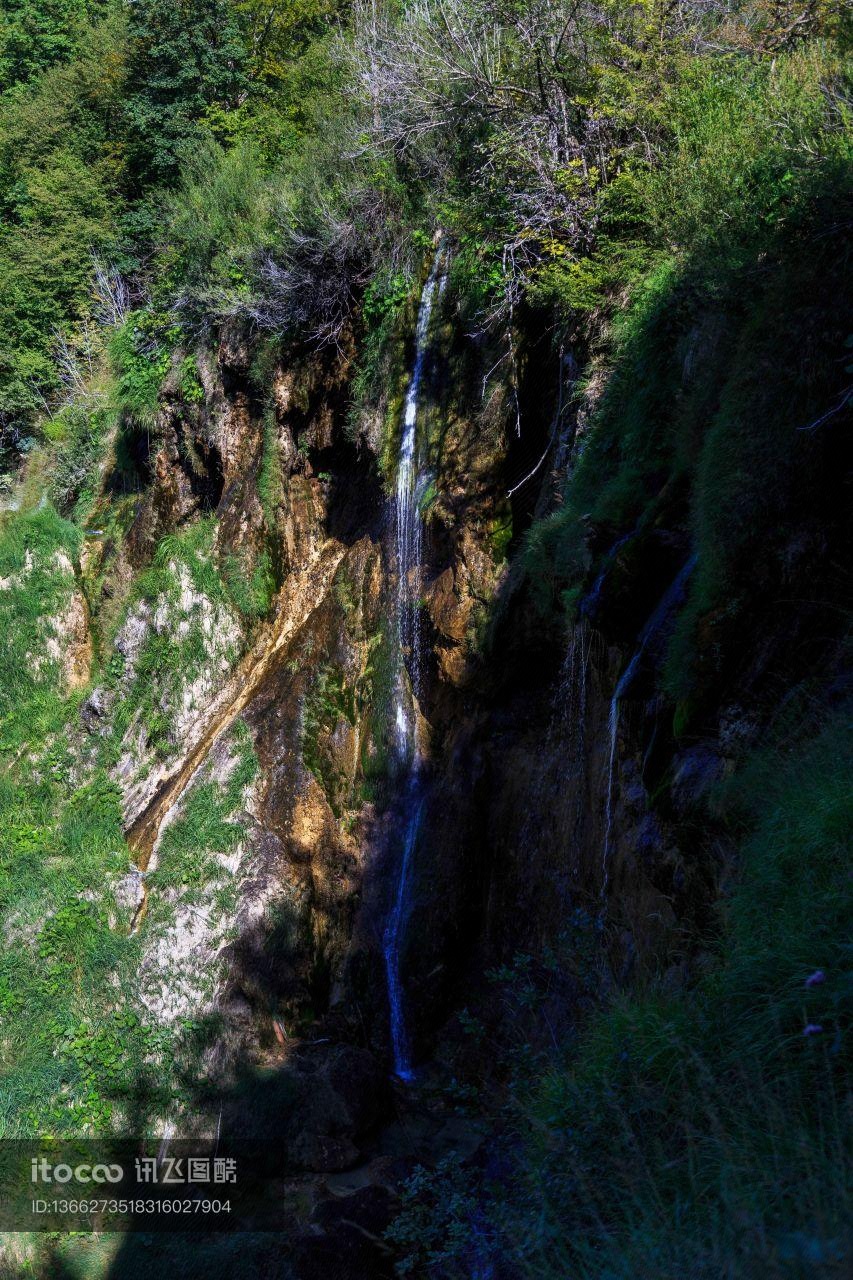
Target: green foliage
<point>83,431</point>
<point>76,1053</point>
<point>141,358</point>
<point>250,587</point>
<point>711,384</point>
<point>59,841</point>
<point>220,218</point>
<point>37,34</point>
<point>64,937</point>
<point>689,226</point>
<point>383,299</point>
<point>734,179</point>
<point>99,103</point>
<point>37,552</point>
<point>786,914</point>
<point>476,274</point>
<point>432,1233</point>
<point>380,377</point>
<point>183,61</point>
<point>189,382</point>
<point>288,58</point>
<point>728,1097</point>
<point>58,175</point>
<point>269,475</point>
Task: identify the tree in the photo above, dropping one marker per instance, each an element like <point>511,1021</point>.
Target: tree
<point>60,169</point>
<point>278,33</point>
<point>37,34</point>
<point>185,58</point>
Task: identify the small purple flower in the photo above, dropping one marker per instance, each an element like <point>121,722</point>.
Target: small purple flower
<point>813,1029</point>
<point>816,978</point>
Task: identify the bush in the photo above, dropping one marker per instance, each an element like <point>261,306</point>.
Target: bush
<point>219,220</point>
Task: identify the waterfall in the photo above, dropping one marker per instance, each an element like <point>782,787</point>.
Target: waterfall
<point>394,932</point>
<point>408,522</point>
<point>408,547</point>
<point>651,633</point>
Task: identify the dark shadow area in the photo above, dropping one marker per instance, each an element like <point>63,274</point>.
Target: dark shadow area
<point>271,1102</point>
<point>132,470</point>
<point>202,465</point>
<point>532,437</point>
<point>356,502</point>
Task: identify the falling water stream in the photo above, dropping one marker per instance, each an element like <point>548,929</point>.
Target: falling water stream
<point>407,689</point>
<point>395,929</point>
<point>664,609</point>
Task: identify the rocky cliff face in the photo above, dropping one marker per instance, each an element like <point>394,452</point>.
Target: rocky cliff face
<point>240,606</point>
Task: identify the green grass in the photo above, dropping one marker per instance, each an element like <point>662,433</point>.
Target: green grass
<point>705,1133</point>
<point>728,338</point>
<point>76,1051</point>
<point>174,655</point>
<point>206,825</point>
<point>37,552</point>
<point>65,968</point>
<point>250,587</point>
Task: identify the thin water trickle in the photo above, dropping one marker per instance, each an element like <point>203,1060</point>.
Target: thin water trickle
<point>613,729</point>
<point>408,546</point>
<point>395,931</point>
<point>666,606</point>
<point>589,604</point>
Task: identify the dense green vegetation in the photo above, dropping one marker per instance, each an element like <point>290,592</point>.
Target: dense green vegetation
<point>665,190</point>
<point>728,355</point>
<point>99,103</point>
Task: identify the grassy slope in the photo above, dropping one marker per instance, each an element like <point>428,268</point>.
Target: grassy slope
<point>703,1133</point>
<point>77,1047</point>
